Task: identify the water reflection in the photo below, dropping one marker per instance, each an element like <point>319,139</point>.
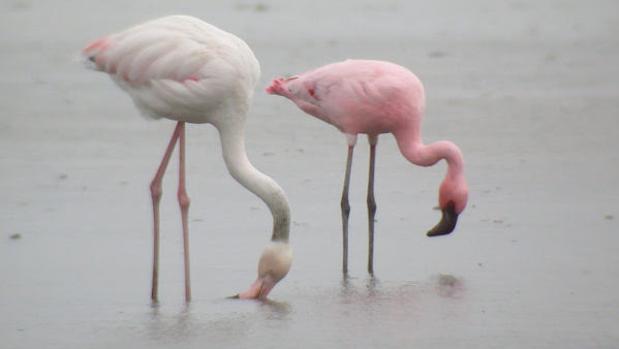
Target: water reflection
<point>348,310</point>
<point>449,286</point>
<point>224,320</point>
<point>179,326</point>
<point>274,309</point>
<point>371,292</point>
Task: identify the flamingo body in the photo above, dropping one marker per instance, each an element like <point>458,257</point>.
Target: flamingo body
<point>184,69</point>
<point>357,96</point>
<point>180,68</point>
<point>375,97</point>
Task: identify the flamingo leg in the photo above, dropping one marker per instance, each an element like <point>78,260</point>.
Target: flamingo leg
<point>344,204</point>
<point>371,204</point>
<point>155,190</point>
<point>183,201</point>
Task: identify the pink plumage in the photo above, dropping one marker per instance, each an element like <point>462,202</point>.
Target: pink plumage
<point>368,97</point>
<point>374,97</point>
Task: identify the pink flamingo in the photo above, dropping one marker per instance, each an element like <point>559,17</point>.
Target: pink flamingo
<point>374,97</point>
<point>186,70</point>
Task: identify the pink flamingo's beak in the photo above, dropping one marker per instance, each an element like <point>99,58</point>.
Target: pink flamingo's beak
<point>448,221</point>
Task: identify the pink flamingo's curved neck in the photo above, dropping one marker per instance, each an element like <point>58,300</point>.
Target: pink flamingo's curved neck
<point>453,189</point>
<point>413,149</point>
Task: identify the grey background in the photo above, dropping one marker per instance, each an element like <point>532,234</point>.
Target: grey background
<point>528,89</point>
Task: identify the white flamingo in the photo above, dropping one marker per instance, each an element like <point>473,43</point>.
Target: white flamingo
<point>184,69</point>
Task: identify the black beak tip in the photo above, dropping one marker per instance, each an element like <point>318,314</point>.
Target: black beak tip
<point>438,231</point>
<point>448,222</point>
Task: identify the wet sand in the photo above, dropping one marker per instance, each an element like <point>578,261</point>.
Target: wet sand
<point>528,90</point>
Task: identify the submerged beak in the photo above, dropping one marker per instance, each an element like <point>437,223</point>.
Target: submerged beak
<point>447,223</point>
<point>258,290</point>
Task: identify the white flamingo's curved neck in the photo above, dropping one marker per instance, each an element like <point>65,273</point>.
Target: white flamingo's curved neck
<point>233,148</point>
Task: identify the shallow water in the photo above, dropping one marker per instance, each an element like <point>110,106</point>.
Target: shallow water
<point>527,89</point>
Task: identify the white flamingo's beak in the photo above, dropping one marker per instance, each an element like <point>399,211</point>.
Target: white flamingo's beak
<point>273,266</point>
<point>259,289</point>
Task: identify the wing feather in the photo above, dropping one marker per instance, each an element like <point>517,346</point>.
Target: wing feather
<point>176,64</point>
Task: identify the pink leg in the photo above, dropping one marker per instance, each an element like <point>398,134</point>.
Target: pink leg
<point>155,190</point>
<point>183,200</point>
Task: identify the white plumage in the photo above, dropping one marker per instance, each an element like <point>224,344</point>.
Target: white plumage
<point>179,67</point>
<point>184,69</point>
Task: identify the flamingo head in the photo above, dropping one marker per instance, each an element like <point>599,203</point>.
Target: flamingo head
<point>273,266</point>
<point>453,195</point>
